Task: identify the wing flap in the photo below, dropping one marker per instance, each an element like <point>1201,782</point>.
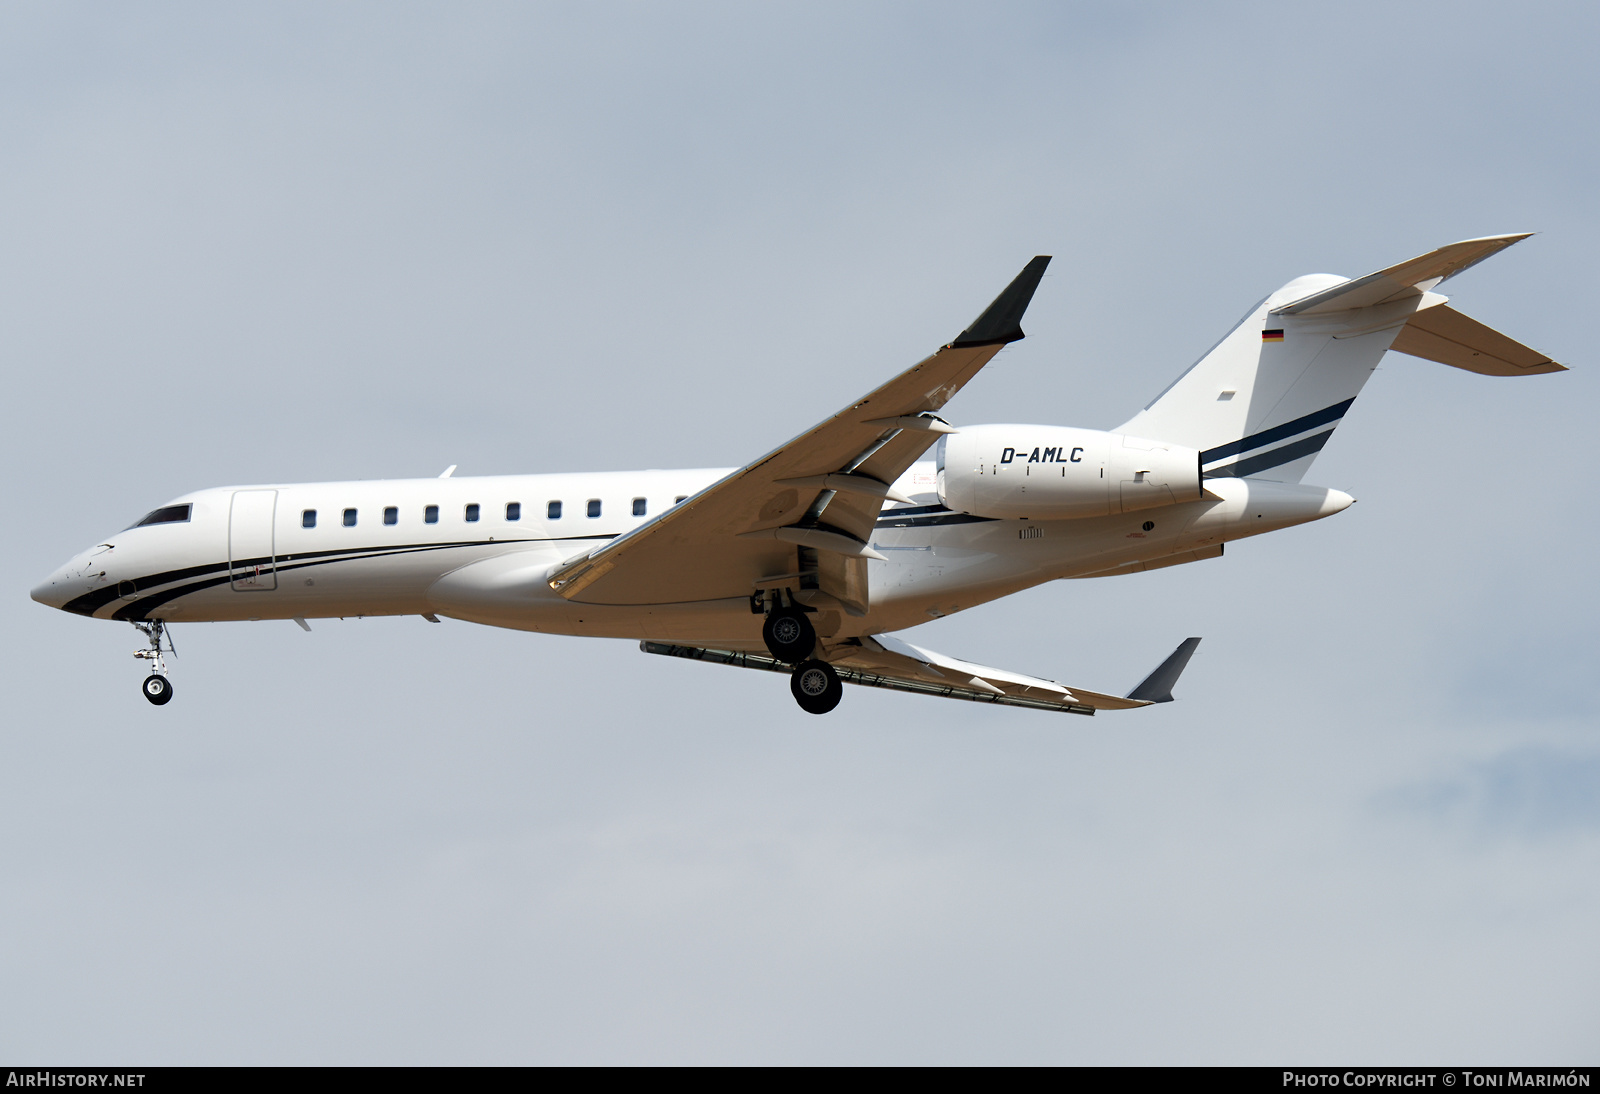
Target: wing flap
<point>694,550</point>
<point>1445,335</point>
<point>884,661</point>
<point>973,690</point>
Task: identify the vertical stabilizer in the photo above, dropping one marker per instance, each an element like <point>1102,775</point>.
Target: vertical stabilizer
<point>1266,399</point>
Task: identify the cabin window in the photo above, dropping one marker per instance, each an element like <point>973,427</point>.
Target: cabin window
<point>349,518</point>
<point>170,514</point>
<point>472,512</point>
<point>638,507</point>
<point>430,515</point>
<point>391,515</point>
<point>681,499</point>
<point>308,519</point>
<point>594,507</point>
<point>553,511</point>
<point>513,510</point>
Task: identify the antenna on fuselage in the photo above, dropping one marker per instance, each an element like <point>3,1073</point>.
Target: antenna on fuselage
<point>447,472</point>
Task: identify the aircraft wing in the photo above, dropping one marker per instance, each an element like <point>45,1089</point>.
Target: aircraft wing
<point>823,491</point>
<point>883,661</point>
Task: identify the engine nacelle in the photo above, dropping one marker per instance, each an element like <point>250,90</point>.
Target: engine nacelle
<point>1053,472</point>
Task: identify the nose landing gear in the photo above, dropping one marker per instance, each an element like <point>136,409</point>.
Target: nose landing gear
<point>157,688</point>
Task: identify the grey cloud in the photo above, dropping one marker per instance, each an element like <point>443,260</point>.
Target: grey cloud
<point>1532,793</point>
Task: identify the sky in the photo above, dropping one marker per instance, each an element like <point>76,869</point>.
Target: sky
<point>298,242</point>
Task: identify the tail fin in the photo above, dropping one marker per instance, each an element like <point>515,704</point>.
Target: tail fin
<point>1264,400</point>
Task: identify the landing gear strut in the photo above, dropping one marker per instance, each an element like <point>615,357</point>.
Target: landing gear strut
<point>789,635</point>
<point>816,687</point>
<point>157,688</point>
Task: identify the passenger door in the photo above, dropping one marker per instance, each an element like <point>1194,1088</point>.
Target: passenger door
<point>252,565</point>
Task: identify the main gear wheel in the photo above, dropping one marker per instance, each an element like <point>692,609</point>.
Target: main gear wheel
<point>789,635</point>
<point>816,687</point>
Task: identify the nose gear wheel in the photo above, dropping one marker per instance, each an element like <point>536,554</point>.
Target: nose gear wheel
<point>156,687</point>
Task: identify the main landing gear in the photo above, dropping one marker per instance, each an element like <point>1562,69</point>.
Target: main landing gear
<point>789,635</point>
<point>157,688</point>
<point>791,638</point>
<point>816,687</point>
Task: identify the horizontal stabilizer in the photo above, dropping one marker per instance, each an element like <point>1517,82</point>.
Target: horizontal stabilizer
<point>1412,278</point>
<point>1444,335</point>
<point>1157,687</point>
<point>1272,392</point>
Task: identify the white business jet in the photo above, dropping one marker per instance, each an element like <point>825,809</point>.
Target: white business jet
<point>806,560</point>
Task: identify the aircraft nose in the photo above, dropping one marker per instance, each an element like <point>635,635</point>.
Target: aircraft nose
<point>54,591</point>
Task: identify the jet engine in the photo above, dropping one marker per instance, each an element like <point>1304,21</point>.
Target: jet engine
<point>1052,472</point>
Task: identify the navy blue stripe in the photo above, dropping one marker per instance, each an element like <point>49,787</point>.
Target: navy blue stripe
<point>1279,432</point>
<point>1276,458</point>
<point>139,608</point>
<point>91,602</point>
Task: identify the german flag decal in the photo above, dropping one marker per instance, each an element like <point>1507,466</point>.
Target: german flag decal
<point>1272,336</point>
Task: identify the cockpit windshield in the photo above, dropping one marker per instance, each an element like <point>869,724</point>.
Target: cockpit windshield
<point>169,514</point>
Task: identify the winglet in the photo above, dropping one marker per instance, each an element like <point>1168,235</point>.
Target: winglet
<point>1157,687</point>
<point>1001,322</point>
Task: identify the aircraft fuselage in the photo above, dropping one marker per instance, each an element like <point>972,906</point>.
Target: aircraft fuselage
<point>369,548</point>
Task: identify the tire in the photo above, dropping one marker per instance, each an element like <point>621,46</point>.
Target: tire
<point>789,635</point>
<point>816,687</point>
<point>158,689</point>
